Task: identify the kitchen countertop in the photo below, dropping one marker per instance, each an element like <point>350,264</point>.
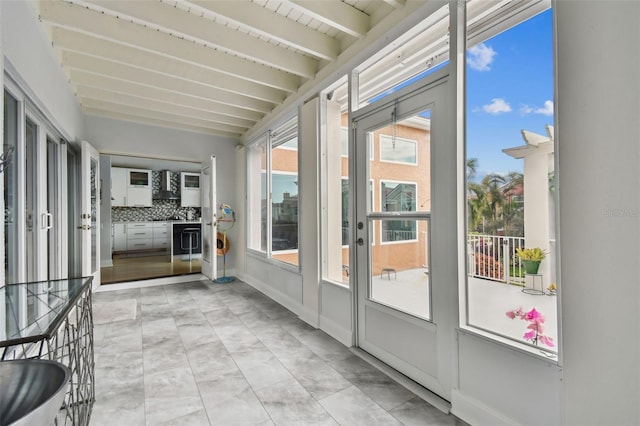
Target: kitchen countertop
<point>156,221</point>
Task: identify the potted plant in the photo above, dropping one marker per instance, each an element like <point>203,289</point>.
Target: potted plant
<point>531,258</point>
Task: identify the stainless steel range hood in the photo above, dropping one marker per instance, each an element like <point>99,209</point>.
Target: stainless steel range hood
<point>165,192</point>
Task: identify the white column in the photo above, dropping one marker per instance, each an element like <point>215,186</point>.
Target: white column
<point>309,216</point>
<point>598,105</point>
<point>537,223</point>
<point>333,205</point>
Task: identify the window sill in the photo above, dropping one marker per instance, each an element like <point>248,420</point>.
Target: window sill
<point>539,353</point>
<point>275,262</point>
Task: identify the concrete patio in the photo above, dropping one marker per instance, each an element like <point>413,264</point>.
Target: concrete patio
<point>488,302</point>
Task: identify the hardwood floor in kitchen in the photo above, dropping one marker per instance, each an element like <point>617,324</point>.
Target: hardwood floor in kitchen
<point>139,267</point>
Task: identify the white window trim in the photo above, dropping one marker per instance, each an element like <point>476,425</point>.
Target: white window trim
<point>385,243</point>
<point>406,163</point>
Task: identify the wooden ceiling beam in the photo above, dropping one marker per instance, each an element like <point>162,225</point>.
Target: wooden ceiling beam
<point>65,39</point>
<point>132,34</point>
<point>183,24</point>
<point>255,18</point>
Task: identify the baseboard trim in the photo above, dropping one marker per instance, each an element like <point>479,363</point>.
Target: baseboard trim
<point>475,412</point>
<point>336,331</point>
<point>286,301</point>
<point>309,316</point>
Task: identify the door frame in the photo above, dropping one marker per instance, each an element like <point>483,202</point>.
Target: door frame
<point>88,230</point>
<point>209,264</point>
<point>442,226</point>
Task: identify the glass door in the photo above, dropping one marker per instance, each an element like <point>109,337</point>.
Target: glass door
<point>209,227</point>
<point>405,315</point>
<point>90,216</point>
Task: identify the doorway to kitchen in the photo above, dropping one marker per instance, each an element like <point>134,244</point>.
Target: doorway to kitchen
<point>153,228</point>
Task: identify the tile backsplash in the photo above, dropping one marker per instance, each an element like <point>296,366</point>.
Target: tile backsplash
<point>161,209</point>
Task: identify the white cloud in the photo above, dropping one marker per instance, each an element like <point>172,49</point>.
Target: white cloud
<point>547,109</point>
<point>480,57</point>
<point>497,106</point>
<point>525,109</point>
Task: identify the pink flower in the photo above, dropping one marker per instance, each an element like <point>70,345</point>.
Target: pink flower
<point>547,341</point>
<point>533,315</point>
<point>535,327</point>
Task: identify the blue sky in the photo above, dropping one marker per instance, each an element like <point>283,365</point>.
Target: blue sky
<point>509,88</point>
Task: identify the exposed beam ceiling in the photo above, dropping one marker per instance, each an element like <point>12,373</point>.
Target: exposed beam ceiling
<point>209,66</point>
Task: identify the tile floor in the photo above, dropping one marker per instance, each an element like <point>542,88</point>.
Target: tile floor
<point>208,354</point>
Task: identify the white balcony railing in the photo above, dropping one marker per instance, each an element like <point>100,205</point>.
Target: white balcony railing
<point>494,257</point>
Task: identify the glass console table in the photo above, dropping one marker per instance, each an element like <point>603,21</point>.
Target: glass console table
<point>53,320</point>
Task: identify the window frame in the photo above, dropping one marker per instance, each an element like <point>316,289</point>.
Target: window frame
<point>414,142</point>
<point>380,236</point>
<point>272,139</point>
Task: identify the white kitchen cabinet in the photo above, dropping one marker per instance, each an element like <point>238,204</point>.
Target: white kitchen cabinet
<point>161,235</point>
<point>189,189</point>
<point>118,187</point>
<point>119,237</point>
<point>139,188</point>
<point>130,187</point>
<point>139,236</point>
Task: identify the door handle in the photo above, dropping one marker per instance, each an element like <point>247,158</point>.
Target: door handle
<point>46,220</point>
<point>360,241</point>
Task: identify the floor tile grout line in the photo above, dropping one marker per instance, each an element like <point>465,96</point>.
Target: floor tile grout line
<point>247,297</point>
<point>186,352</point>
<point>144,375</point>
<point>288,370</point>
<point>235,362</point>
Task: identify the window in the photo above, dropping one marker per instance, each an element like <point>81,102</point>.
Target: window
<point>257,195</point>
<point>398,150</point>
<point>10,176</point>
<point>273,198</point>
<point>509,87</point>
<point>398,197</point>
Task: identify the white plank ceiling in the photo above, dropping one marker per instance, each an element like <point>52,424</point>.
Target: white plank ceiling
<point>210,66</point>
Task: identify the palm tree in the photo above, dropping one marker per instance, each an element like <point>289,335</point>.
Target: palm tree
<point>472,168</point>
<point>490,207</point>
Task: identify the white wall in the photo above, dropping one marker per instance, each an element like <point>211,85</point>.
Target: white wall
<point>141,140</point>
<point>336,312</point>
<point>278,282</point>
<point>30,59</point>
<point>499,385</point>
<point>598,133</point>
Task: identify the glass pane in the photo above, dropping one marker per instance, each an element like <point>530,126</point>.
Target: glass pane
<point>400,179</point>
<point>10,171</point>
<point>335,237</point>
<point>399,274</point>
<point>510,179</point>
<point>413,59</point>
<point>139,178</point>
<point>192,181</point>
<point>404,185</point>
<point>31,215</point>
<point>94,212</point>
<point>284,202</point>
<point>53,201</point>
<point>397,150</point>
<point>257,196</point>
<point>73,214</point>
